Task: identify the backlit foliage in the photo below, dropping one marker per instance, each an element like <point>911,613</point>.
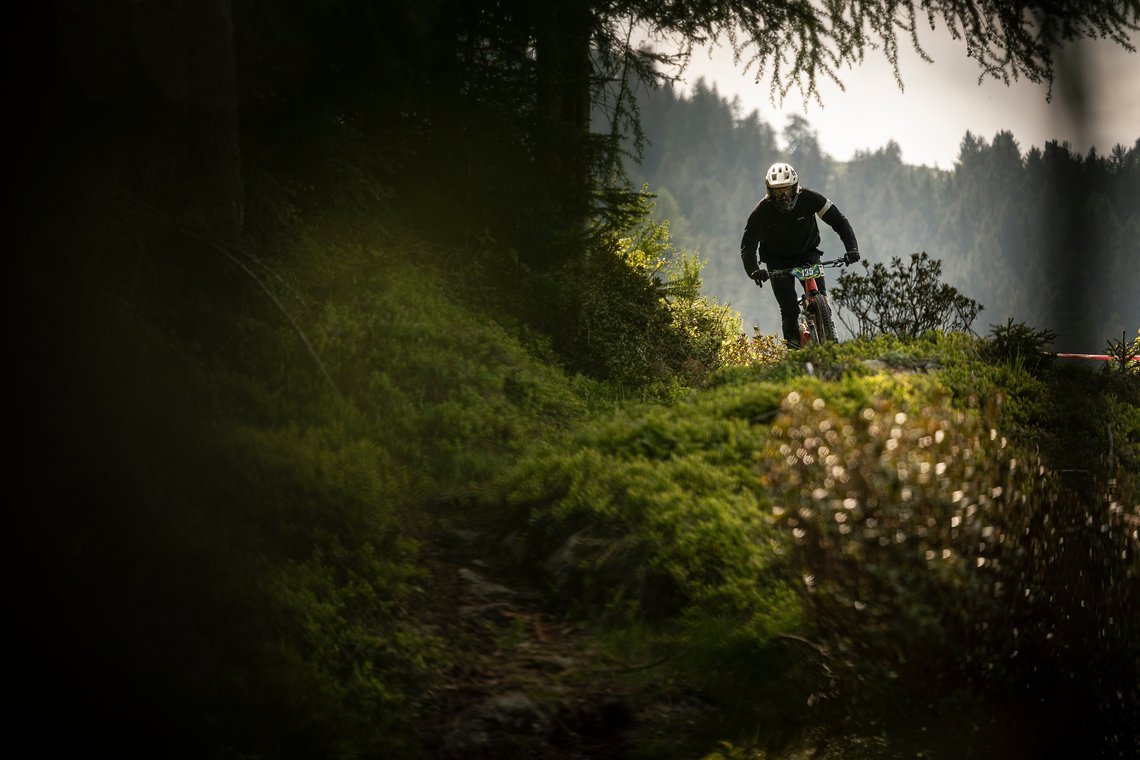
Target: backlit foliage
<point>946,580</point>
<point>904,300</point>
<point>1124,355</point>
<point>758,348</point>
<point>643,322</point>
<point>942,567</point>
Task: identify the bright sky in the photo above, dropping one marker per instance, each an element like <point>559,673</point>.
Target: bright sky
<point>941,101</point>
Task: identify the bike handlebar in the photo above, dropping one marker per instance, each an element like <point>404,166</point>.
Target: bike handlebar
<point>840,262</point>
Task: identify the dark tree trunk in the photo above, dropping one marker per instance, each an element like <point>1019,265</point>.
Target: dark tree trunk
<point>450,162</point>
<point>562,43</point>
<point>214,137</point>
<point>186,48</point>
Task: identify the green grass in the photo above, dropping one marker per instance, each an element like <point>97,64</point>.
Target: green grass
<point>826,557</point>
<point>228,538</point>
<point>833,553</point>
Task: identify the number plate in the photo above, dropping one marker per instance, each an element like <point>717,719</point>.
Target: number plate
<point>808,272</point>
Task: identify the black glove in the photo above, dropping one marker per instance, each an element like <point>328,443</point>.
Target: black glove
<point>851,257</point>
<point>759,276</point>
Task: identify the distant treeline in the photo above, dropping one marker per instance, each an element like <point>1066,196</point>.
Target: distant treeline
<point>1046,236</point>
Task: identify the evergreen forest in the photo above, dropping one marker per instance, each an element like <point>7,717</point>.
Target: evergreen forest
<point>1038,234</point>
<point>384,386</point>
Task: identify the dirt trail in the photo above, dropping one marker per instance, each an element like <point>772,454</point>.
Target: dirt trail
<point>523,681</point>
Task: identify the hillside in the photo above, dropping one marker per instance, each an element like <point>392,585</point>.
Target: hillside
<point>362,410</point>
<point>436,534</point>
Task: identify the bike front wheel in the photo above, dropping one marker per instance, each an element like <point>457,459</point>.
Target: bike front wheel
<point>822,320</point>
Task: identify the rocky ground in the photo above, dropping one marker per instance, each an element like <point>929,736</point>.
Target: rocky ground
<point>524,681</point>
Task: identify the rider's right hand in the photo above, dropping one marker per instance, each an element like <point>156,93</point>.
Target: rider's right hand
<point>759,276</point>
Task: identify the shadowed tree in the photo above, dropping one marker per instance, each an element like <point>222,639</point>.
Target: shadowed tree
<point>157,85</point>
<point>413,77</point>
<point>570,60</point>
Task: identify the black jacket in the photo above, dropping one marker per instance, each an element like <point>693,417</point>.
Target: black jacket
<point>784,240</point>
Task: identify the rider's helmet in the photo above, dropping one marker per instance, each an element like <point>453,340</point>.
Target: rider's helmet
<point>783,186</point>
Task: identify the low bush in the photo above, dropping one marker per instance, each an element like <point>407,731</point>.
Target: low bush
<point>1018,344</point>
<point>638,319</point>
<point>865,561</point>
<point>932,554</point>
<point>1124,355</point>
<point>905,300</point>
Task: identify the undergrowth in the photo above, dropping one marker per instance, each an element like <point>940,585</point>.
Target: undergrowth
<point>228,547</point>
<point>836,548</point>
<point>860,546</point>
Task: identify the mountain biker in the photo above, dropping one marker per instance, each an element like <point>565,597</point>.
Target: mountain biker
<point>782,232</point>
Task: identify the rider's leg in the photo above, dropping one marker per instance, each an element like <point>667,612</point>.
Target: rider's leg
<point>784,288</point>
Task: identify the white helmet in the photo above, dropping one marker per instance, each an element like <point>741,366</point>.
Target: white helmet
<point>783,186</point>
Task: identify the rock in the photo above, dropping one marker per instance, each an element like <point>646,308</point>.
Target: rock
<point>468,537</point>
<point>901,364</point>
<point>563,565</point>
<point>501,726</point>
<point>480,586</point>
<point>496,613</point>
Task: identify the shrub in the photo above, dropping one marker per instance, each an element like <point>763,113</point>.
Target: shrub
<point>1124,355</point>
<point>1018,345</point>
<point>757,349</point>
<point>219,526</point>
<point>954,585</point>
<point>216,583</point>
<point>904,300</point>
<point>879,572</point>
<point>640,321</point>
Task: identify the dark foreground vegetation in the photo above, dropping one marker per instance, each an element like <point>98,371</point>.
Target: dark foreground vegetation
<point>258,394</point>
<point>875,549</point>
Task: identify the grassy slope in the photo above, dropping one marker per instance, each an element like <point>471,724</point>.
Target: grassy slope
<point>220,546</point>
<point>231,544</point>
<point>862,557</point>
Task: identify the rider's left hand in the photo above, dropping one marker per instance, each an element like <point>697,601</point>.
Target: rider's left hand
<point>851,257</point>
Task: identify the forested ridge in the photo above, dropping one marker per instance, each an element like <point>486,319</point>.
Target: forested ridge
<point>1006,235</point>
<point>363,408</point>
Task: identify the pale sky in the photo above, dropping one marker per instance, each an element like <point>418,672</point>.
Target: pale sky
<point>941,101</point>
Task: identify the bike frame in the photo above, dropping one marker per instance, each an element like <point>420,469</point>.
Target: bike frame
<point>806,275</point>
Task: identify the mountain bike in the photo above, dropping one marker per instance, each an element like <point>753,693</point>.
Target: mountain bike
<point>816,323</point>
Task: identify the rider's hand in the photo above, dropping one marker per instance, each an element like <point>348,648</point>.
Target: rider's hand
<point>759,276</point>
<point>851,257</point>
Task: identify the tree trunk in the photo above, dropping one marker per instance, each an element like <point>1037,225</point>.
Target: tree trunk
<point>186,48</point>
<point>214,137</point>
<point>562,44</point>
